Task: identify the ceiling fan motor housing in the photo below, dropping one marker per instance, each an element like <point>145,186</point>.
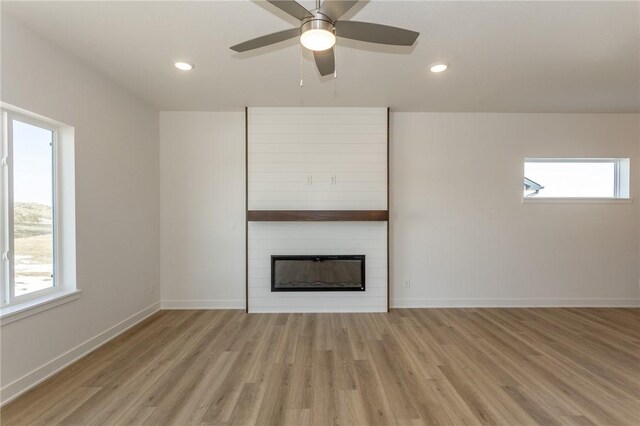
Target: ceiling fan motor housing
<point>318,22</point>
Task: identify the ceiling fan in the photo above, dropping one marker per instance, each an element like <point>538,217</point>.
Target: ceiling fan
<point>320,27</point>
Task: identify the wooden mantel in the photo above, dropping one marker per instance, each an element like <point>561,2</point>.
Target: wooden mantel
<point>317,215</point>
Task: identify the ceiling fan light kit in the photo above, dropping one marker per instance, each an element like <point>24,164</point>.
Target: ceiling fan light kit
<point>319,29</point>
<point>317,34</point>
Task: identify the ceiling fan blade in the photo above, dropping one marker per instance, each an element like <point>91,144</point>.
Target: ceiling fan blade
<point>375,33</point>
<point>334,9</point>
<point>325,61</point>
<point>266,40</point>
<point>292,8</point>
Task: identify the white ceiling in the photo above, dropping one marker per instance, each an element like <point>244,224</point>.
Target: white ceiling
<point>532,56</point>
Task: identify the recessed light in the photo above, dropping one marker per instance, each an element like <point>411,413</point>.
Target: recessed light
<point>184,66</point>
<point>439,67</point>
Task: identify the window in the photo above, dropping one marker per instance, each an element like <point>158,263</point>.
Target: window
<point>37,214</point>
<point>576,178</point>
<point>37,241</point>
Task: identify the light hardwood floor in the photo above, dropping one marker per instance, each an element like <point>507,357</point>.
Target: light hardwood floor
<point>409,367</point>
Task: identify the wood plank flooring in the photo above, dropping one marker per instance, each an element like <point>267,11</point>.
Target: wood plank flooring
<point>409,367</point>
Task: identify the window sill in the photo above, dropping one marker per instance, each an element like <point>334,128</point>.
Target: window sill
<point>571,200</point>
<point>19,311</point>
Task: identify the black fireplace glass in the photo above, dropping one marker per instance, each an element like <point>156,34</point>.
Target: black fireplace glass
<point>318,273</point>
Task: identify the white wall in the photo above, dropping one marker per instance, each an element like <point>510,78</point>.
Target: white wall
<point>462,236</point>
<point>117,198</point>
<point>460,233</point>
<point>202,209</point>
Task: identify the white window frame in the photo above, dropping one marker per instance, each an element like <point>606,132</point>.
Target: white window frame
<point>8,290</point>
<point>64,289</point>
<point>621,182</point>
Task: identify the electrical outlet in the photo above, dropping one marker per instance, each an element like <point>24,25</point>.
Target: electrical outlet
<point>407,284</point>
<point>151,287</point>
<point>309,180</point>
<point>333,179</point>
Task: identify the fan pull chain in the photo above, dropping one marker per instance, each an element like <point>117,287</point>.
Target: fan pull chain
<point>301,80</point>
<point>335,60</point>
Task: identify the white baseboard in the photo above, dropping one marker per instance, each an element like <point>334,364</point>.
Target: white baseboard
<point>317,310</point>
<point>514,303</point>
<point>203,304</point>
<point>40,374</point>
<point>413,303</point>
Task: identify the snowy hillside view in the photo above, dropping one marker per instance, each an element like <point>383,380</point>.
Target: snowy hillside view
<point>33,247</point>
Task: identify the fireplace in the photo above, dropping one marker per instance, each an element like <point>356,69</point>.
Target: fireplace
<point>318,273</point>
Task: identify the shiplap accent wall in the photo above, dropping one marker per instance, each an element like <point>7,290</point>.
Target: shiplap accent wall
<point>289,145</point>
<point>292,155</point>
